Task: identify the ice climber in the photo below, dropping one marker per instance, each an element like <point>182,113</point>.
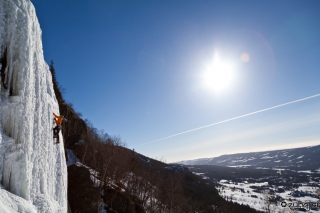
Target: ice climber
<point>56,130</point>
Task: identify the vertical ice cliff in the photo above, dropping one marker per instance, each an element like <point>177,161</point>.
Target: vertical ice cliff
<point>32,167</point>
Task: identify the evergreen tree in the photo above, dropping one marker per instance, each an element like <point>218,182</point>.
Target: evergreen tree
<point>53,73</point>
<point>57,89</point>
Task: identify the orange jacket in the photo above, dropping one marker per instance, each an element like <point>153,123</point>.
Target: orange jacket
<point>59,121</point>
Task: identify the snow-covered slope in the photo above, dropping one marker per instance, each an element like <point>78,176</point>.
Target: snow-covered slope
<point>31,165</point>
<point>305,158</point>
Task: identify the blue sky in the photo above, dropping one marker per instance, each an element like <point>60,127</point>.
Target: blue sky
<point>137,69</point>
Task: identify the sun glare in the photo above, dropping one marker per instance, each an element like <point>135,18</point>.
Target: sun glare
<point>218,76</point>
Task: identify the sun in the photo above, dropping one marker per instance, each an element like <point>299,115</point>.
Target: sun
<point>218,76</point>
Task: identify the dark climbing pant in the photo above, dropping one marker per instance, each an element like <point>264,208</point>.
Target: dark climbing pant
<point>56,131</point>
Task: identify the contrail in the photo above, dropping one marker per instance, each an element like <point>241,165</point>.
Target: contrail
<point>231,119</point>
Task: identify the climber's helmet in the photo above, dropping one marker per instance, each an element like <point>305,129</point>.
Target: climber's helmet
<point>61,116</point>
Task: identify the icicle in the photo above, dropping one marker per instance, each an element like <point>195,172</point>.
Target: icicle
<point>31,166</point>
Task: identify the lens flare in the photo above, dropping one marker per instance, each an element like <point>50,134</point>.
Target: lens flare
<point>245,57</point>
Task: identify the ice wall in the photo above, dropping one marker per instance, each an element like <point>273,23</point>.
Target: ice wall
<point>31,165</point>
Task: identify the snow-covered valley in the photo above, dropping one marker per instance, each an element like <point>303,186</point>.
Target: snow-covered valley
<point>291,176</point>
<point>259,195</point>
<point>265,188</point>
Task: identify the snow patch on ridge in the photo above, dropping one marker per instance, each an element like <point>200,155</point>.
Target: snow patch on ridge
<point>72,159</point>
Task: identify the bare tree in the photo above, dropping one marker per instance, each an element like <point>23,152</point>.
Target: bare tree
<point>269,205</point>
<point>172,196</point>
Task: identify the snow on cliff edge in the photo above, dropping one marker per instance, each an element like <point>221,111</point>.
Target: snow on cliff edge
<point>33,169</point>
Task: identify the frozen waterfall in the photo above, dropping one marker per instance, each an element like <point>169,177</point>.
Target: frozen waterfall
<point>33,171</point>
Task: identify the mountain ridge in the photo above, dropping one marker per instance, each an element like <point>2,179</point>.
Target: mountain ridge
<point>295,158</point>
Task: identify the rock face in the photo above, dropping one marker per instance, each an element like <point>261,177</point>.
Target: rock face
<point>31,165</point>
<point>123,202</point>
<point>75,128</point>
<point>83,196</point>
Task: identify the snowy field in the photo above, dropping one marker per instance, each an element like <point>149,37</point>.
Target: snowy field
<point>243,193</point>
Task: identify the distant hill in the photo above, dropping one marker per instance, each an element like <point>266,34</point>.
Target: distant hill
<point>306,158</point>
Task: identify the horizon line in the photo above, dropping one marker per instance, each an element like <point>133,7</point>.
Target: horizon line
<point>252,151</point>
